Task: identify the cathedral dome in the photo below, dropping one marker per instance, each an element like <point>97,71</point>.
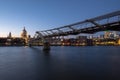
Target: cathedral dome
<point>24,33</point>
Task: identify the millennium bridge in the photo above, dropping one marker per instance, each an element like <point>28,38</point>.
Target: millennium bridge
<point>110,21</point>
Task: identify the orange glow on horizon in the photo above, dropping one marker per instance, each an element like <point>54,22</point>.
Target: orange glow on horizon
<point>6,35</point>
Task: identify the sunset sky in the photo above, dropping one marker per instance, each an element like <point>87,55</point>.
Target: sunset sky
<point>38,15</point>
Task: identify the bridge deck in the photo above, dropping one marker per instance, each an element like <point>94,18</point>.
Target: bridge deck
<point>109,21</point>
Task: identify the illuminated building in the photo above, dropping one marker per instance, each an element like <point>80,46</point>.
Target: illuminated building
<point>81,40</point>
<point>111,35</point>
<point>119,42</point>
<point>24,34</point>
<point>107,34</point>
<point>14,41</point>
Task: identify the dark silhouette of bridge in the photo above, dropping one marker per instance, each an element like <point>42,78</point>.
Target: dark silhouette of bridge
<point>110,21</point>
<point>105,22</point>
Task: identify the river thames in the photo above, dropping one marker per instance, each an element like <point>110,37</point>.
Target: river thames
<point>61,63</point>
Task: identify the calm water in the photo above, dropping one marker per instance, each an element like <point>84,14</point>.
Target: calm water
<point>61,63</point>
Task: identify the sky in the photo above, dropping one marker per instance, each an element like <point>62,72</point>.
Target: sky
<point>38,15</point>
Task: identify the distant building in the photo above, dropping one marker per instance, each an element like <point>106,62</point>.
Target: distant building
<point>111,35</point>
<point>107,34</point>
<point>24,34</point>
<point>81,40</point>
<point>15,41</point>
<point>9,35</point>
<point>115,34</point>
<point>119,42</point>
<point>101,36</point>
<point>81,37</point>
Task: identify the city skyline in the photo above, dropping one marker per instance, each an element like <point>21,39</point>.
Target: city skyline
<point>38,15</point>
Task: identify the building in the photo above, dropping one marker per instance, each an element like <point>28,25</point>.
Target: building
<point>9,35</point>
<point>107,34</point>
<point>81,40</point>
<point>14,41</point>
<point>111,35</point>
<point>24,33</point>
<point>118,41</point>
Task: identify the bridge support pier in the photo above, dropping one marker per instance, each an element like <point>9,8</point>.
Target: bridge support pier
<point>29,45</point>
<point>46,46</point>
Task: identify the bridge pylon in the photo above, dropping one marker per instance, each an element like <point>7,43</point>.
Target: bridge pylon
<point>45,42</point>
<point>46,46</point>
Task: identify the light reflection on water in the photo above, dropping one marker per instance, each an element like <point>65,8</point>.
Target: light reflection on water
<point>61,63</point>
